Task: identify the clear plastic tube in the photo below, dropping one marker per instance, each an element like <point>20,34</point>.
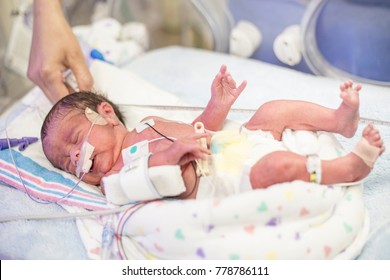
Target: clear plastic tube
<point>107,239</point>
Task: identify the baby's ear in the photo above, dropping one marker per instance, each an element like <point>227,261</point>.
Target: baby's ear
<point>108,113</point>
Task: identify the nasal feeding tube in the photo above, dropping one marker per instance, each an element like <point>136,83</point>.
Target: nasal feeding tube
<point>84,161</point>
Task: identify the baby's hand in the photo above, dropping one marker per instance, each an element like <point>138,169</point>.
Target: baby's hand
<point>181,152</point>
<point>224,90</point>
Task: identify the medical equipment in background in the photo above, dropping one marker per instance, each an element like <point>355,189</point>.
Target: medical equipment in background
<point>287,46</point>
<point>17,51</point>
<point>119,30</point>
<point>108,235</point>
<point>98,40</point>
<point>349,39</point>
<point>220,21</point>
<point>193,23</point>
<point>274,19</point>
<point>344,39</point>
<point>21,142</point>
<point>108,40</point>
<point>245,38</point>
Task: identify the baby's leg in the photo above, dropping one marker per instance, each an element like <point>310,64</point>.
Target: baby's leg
<point>275,116</point>
<point>281,166</point>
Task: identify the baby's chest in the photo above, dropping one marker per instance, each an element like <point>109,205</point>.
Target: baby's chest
<point>163,133</point>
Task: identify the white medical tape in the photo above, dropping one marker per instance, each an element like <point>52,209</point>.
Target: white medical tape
<point>167,180</point>
<point>113,191</point>
<point>131,184</point>
<point>366,152</point>
<point>138,182</point>
<point>94,117</point>
<point>135,182</point>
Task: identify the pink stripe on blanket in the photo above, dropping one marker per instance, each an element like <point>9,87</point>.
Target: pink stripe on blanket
<point>42,189</point>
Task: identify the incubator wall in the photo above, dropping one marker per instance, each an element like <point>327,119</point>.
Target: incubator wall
<point>346,39</point>
<point>193,23</point>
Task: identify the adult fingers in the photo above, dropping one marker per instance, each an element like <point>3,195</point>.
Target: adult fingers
<point>83,76</point>
<point>53,86</point>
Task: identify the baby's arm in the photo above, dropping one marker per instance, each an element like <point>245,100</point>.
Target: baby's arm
<point>181,152</point>
<point>224,93</point>
<point>157,175</point>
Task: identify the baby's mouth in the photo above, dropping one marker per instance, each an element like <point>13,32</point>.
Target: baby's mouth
<point>93,164</point>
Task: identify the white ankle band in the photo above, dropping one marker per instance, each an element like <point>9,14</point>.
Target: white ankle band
<point>313,166</point>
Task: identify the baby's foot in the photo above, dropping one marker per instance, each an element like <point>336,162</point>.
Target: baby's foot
<point>367,150</point>
<point>348,112</point>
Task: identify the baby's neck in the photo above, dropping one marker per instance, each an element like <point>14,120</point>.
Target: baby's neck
<point>130,139</point>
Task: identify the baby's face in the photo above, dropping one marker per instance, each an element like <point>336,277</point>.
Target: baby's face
<point>65,137</point>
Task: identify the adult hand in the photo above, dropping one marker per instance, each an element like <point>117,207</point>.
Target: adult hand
<point>55,49</point>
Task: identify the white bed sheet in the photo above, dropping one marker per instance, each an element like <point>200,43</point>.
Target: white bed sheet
<point>188,73</point>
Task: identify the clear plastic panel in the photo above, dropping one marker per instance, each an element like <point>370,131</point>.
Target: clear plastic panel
<point>348,39</point>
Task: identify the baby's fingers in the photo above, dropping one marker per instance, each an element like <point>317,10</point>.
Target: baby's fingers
<point>242,86</point>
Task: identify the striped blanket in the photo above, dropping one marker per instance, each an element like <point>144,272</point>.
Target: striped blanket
<point>49,185</point>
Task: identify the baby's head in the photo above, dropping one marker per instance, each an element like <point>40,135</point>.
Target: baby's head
<point>66,128</point>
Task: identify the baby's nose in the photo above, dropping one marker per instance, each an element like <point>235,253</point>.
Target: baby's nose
<point>74,156</point>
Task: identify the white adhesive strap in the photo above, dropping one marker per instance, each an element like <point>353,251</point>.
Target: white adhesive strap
<point>113,191</point>
<point>167,180</point>
<point>313,166</point>
<point>135,182</point>
<point>138,182</point>
<point>366,152</point>
<point>131,184</point>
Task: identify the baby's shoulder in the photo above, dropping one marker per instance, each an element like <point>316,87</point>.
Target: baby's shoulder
<point>155,118</point>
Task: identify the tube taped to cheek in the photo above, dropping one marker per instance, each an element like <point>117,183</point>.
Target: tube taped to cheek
<point>138,182</point>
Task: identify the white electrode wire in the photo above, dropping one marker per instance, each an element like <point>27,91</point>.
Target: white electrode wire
<point>362,120</point>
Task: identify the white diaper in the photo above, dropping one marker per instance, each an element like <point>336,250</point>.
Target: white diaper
<point>233,155</point>
<point>263,144</point>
